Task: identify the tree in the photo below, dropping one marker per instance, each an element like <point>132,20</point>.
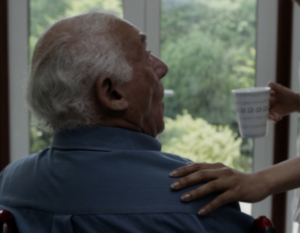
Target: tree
<point>200,141</point>
<point>44,13</point>
<point>208,46</point>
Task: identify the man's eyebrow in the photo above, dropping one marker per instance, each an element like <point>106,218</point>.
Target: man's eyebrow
<point>143,38</point>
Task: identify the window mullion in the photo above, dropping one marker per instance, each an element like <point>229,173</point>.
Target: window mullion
<point>266,47</point>
<point>18,74</point>
<point>153,18</point>
<point>134,12</point>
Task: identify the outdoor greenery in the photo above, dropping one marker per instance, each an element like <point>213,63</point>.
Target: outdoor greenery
<point>202,142</point>
<point>209,47</point>
<point>44,13</point>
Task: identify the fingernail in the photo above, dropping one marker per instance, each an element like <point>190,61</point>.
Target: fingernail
<point>201,212</point>
<point>175,185</point>
<point>173,173</point>
<point>185,197</point>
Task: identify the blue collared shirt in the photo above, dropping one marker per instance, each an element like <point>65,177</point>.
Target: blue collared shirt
<point>105,179</point>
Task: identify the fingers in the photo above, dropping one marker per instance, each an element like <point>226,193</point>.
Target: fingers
<point>274,117</point>
<point>186,170</point>
<point>215,174</point>
<point>269,83</point>
<point>211,187</point>
<point>215,204</point>
<point>275,86</point>
<point>195,178</point>
<point>272,93</point>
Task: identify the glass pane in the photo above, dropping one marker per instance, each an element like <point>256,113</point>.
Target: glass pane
<point>209,47</point>
<point>44,13</point>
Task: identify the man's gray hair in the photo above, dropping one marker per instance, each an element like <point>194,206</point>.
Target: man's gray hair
<point>67,61</point>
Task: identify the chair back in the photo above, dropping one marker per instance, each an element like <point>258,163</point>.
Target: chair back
<point>7,222</point>
<point>262,225</point>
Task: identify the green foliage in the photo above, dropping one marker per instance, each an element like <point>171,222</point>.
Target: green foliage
<point>201,142</point>
<point>44,13</point>
<point>40,139</point>
<point>209,48</point>
<point>200,78</point>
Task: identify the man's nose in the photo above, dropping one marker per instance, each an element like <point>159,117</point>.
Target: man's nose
<point>159,67</point>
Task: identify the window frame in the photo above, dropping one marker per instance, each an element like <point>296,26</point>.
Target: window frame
<point>19,126</point>
<point>266,47</point>
<point>146,16</point>
<point>4,86</point>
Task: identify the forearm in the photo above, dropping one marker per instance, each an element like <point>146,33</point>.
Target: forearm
<point>281,177</point>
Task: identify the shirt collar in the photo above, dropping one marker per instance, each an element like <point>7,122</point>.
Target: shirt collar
<point>104,139</point>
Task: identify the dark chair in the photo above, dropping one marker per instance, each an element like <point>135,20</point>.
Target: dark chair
<point>262,225</point>
<point>7,222</point>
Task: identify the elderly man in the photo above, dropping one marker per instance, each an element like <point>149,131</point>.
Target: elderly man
<point>96,85</point>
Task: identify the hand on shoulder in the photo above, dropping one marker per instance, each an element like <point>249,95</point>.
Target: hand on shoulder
<point>233,185</point>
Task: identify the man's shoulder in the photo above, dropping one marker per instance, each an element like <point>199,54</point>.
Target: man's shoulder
<point>24,162</point>
<point>17,174</point>
<point>175,157</point>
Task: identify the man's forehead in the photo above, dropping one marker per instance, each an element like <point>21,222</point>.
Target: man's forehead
<point>133,30</point>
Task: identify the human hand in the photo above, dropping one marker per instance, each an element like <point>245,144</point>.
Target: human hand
<point>297,1</point>
<point>233,185</point>
<point>283,101</point>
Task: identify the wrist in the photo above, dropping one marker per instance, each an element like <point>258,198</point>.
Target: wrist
<point>265,182</point>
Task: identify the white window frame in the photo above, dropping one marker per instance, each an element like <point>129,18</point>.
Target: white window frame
<point>266,48</point>
<point>19,127</point>
<point>145,15</point>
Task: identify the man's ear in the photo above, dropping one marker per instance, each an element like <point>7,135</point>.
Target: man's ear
<point>110,94</point>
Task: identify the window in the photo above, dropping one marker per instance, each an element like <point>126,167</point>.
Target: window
<point>149,15</point>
